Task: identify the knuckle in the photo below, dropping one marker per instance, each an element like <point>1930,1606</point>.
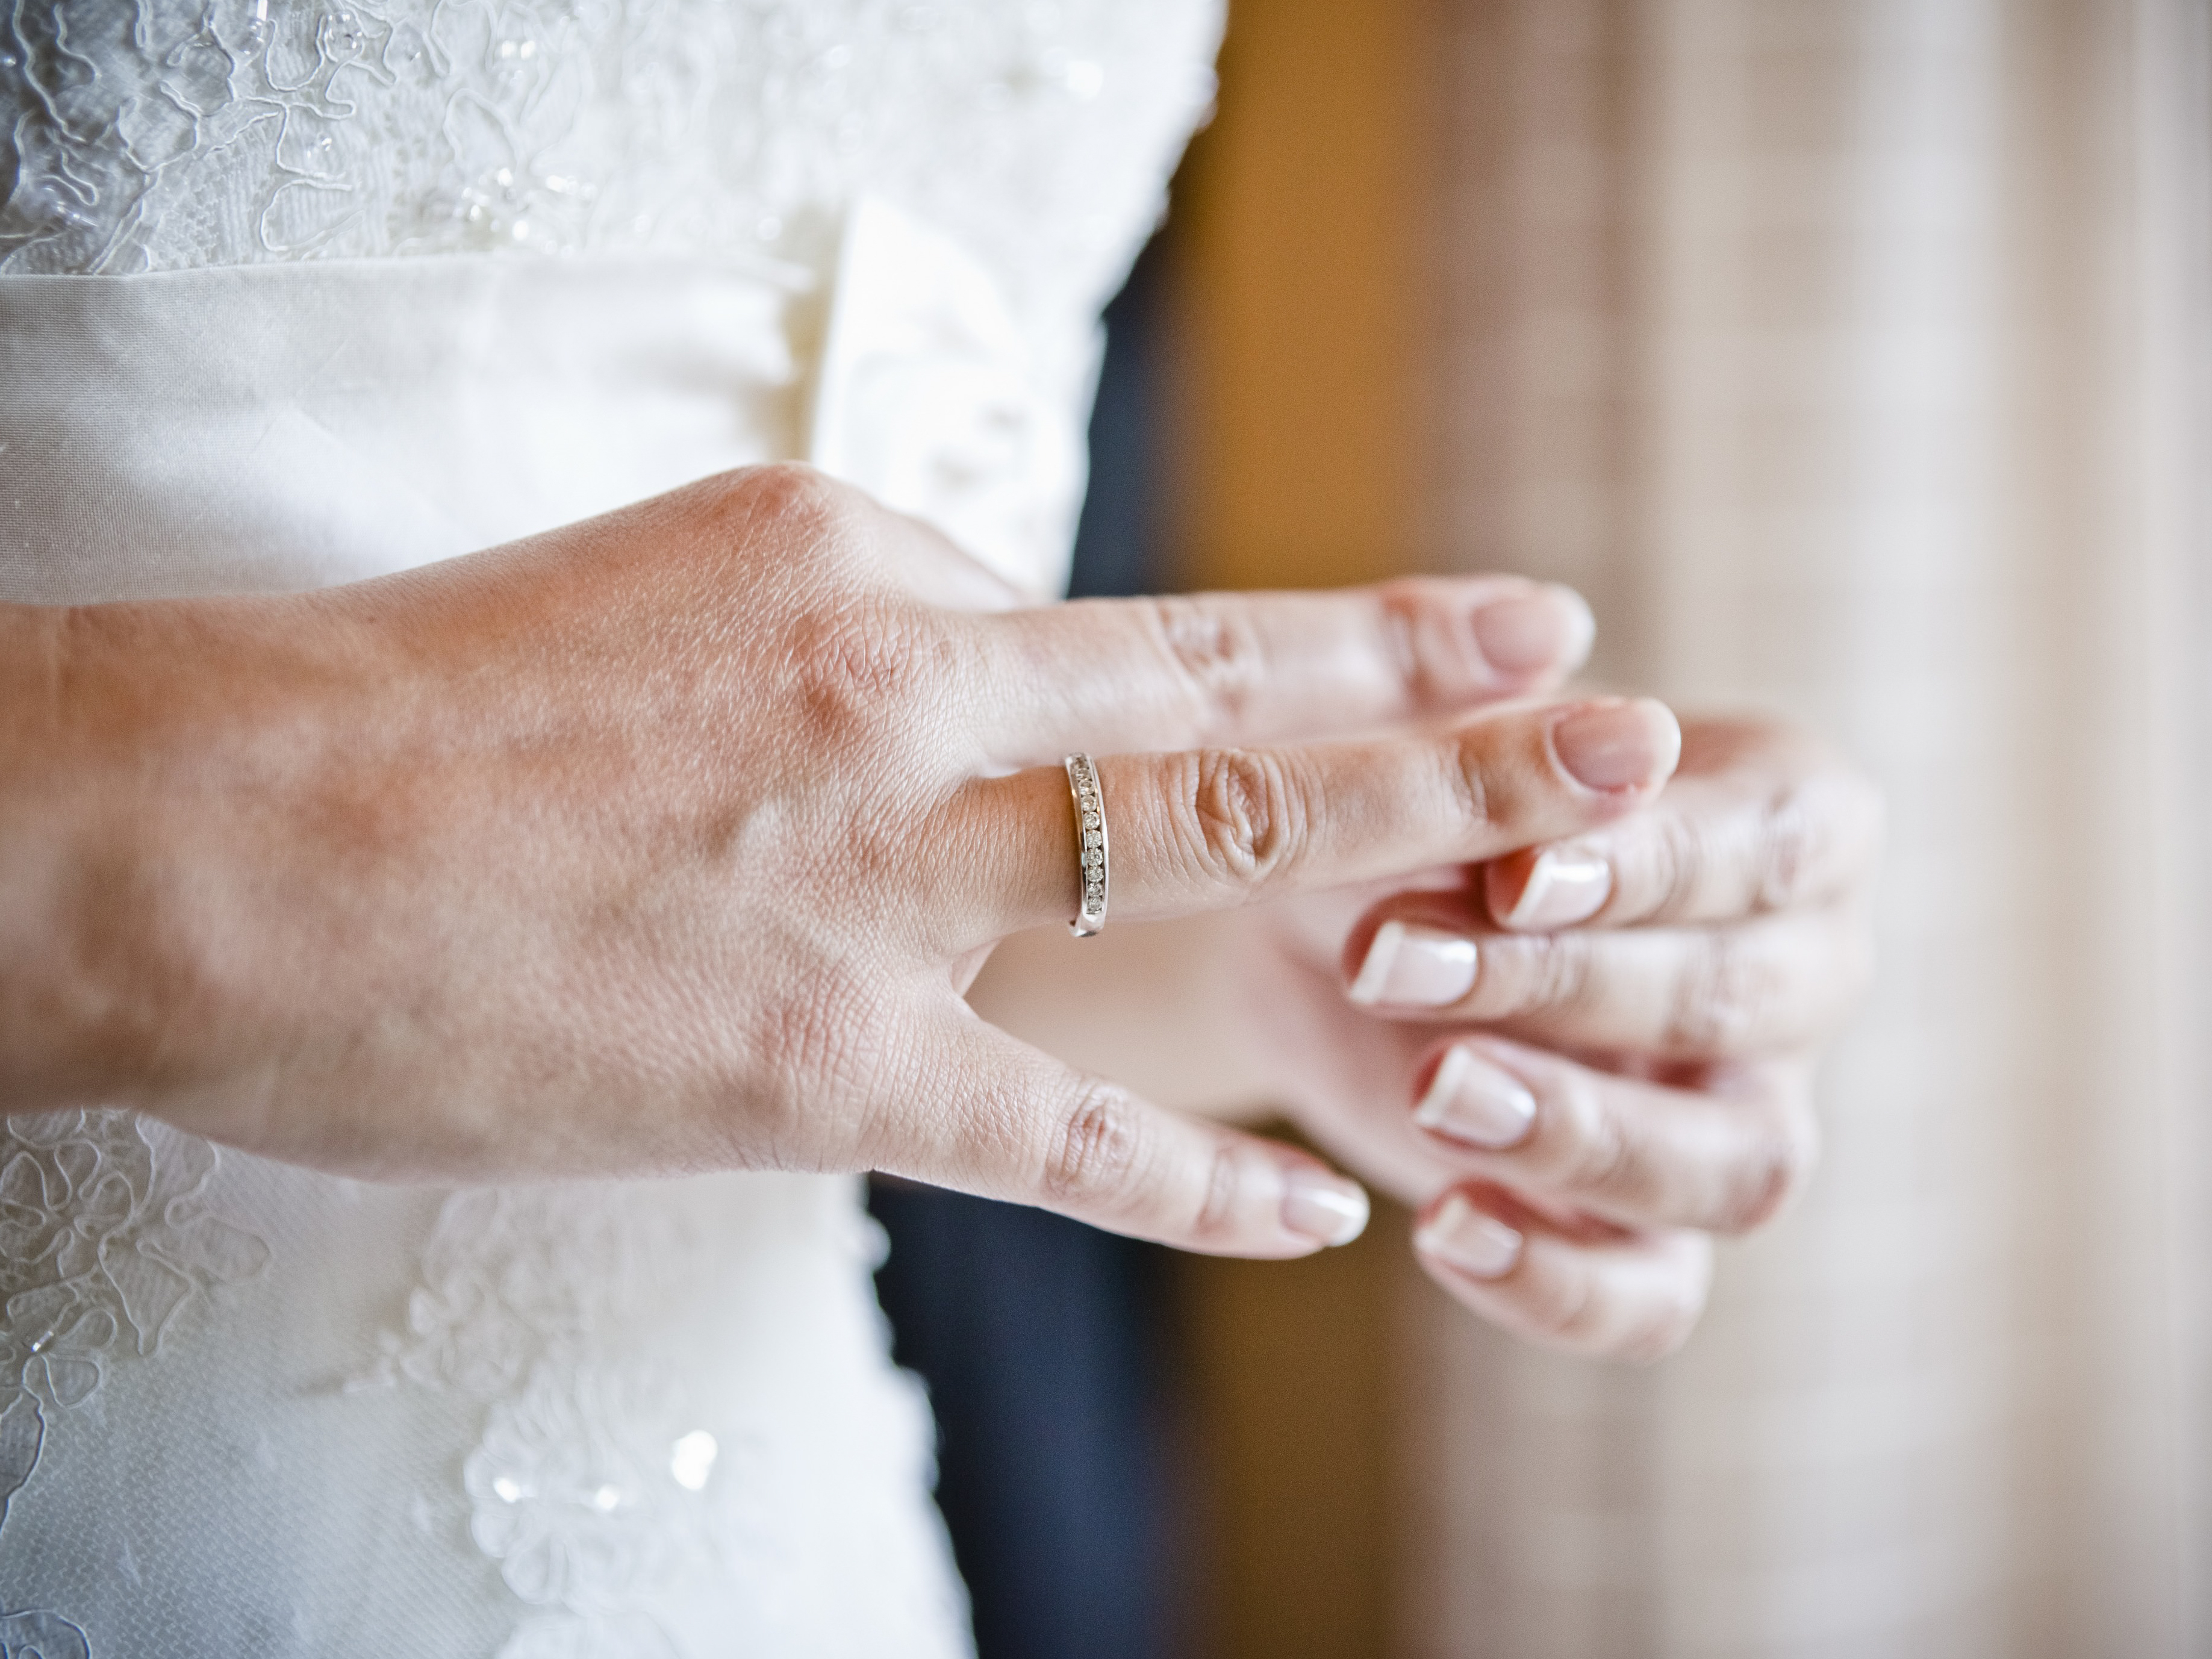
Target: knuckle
<point>1467,776</point>
<point>1680,853</point>
<point>866,664</point>
<point>1777,1166</point>
<point>1432,643</point>
<point>1792,842</point>
<point>1100,1147</point>
<point>1569,1312</point>
<point>1218,1212</point>
<point>1579,1313</point>
<point>1532,975</point>
<point>1217,655</point>
<point>1815,836</point>
<point>796,498</point>
<point>1246,816</point>
<point>1595,1154</point>
<point>1724,998</point>
<point>794,487</point>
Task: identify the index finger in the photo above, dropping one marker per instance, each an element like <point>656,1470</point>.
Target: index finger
<point>1764,827</point>
<point>1179,672</point>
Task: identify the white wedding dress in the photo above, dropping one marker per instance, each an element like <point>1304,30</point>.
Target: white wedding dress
<point>294,294</point>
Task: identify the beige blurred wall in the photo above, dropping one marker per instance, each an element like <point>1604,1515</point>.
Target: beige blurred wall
<point>1856,357</point>
<point>1295,230</point>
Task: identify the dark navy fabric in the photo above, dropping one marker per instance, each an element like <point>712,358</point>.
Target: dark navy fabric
<point>1039,1340</point>
<point>1044,1342</point>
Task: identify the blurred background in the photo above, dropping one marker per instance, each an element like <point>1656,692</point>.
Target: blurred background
<point>1855,358</point>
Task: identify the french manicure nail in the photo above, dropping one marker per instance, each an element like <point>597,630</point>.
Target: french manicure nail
<point>1323,1206</point>
<point>1414,967</point>
<point>1473,1101</point>
<point>1528,633</point>
<point>1568,885</point>
<point>1460,1236</point>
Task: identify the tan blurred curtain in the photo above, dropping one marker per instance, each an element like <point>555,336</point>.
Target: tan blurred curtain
<point>1851,355</point>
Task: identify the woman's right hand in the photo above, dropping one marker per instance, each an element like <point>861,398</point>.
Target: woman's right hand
<point>669,841</point>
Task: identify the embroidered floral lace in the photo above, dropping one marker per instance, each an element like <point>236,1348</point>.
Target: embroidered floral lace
<point>149,135</point>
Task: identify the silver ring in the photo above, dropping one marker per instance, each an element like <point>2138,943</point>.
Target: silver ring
<point>1091,847</point>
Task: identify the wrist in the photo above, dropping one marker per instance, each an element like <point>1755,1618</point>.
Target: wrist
<point>122,833</point>
<point>62,1019</point>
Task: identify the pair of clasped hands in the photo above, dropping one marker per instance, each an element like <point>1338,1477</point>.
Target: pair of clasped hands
<point>672,840</point>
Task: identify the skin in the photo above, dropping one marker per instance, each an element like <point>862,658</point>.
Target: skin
<point>670,841</point>
<point>1668,1038</point>
<point>1734,942</point>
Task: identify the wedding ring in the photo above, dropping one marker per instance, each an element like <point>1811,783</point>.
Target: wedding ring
<point>1091,847</point>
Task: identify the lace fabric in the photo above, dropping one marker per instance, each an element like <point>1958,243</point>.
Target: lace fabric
<point>247,1408</point>
<point>153,137</point>
<point>609,1419</point>
<point>106,1236</point>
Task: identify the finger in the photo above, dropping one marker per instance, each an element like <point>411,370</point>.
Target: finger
<point>983,1113</point>
<point>1725,1158</point>
<point>1773,985</point>
<point>1601,1293</point>
<point>1106,675</point>
<point>1208,829</point>
<point>1752,823</point>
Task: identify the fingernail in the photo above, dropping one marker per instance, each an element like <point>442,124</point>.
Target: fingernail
<point>1414,967</point>
<point>1529,633</point>
<point>1619,745</point>
<point>1460,1236</point>
<point>1323,1206</point>
<point>1473,1101</point>
<point>1567,884</point>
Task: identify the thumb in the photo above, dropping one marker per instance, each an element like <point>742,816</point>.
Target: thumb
<point>984,1113</point>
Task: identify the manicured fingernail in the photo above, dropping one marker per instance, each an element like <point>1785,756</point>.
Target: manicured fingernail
<point>1414,967</point>
<point>1529,633</point>
<point>1567,884</point>
<point>1323,1206</point>
<point>1473,1101</point>
<point>1619,745</point>
<point>1460,1236</point>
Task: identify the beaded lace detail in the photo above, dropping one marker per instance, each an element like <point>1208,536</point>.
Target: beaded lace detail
<point>105,1238</point>
<point>591,1486</point>
<point>145,136</point>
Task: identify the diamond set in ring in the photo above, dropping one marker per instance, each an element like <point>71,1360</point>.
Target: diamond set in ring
<point>1090,825</point>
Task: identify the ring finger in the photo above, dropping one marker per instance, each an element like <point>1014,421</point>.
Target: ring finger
<point>1756,820</point>
<point>1212,828</point>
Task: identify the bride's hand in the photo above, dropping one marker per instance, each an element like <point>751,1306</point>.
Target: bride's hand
<point>1692,960</point>
<point>669,841</point>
